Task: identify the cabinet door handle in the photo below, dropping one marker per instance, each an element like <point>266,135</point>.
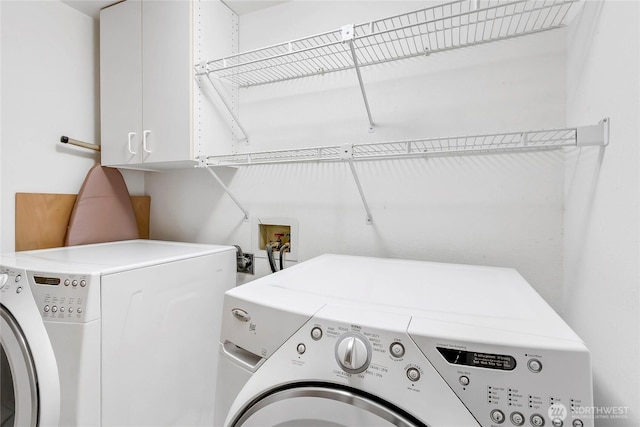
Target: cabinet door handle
<point>144,141</point>
<point>131,135</point>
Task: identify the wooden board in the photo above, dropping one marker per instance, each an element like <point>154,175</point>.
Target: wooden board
<point>42,218</point>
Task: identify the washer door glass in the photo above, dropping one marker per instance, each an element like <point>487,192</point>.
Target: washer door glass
<point>18,382</point>
<point>314,406</point>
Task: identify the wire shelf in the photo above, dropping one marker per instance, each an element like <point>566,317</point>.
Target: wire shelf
<point>440,28</point>
<point>478,144</point>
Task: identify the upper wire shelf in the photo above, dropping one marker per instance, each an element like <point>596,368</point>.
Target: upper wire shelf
<point>434,29</point>
<point>475,144</point>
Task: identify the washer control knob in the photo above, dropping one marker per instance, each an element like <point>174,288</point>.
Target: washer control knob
<point>557,422</point>
<point>83,283</point>
<point>534,365</point>
<point>316,333</point>
<point>497,416</point>
<point>74,283</point>
<point>46,308</point>
<point>54,308</point>
<point>578,423</point>
<point>413,374</point>
<point>353,353</point>
<point>537,420</point>
<point>396,349</point>
<point>79,310</point>
<point>70,309</point>
<point>3,279</point>
<point>18,278</point>
<point>67,282</point>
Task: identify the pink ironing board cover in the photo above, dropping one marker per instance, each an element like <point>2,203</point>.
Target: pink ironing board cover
<point>103,211</point>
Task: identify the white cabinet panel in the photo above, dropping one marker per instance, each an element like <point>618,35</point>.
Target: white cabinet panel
<point>167,75</point>
<point>121,83</point>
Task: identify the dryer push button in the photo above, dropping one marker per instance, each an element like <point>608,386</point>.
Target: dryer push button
<point>537,420</point>
<point>497,416</point>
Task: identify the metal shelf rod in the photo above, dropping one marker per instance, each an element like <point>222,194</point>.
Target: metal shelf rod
<point>223,99</point>
<point>229,193</point>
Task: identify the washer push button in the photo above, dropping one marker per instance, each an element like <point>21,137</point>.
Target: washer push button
<point>316,333</point>
<point>413,374</point>
<point>396,349</point>
<point>464,380</point>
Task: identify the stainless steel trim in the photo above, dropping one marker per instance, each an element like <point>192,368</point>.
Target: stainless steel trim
<point>28,361</point>
<point>344,396</point>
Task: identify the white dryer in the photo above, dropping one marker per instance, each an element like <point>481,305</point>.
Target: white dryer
<point>133,326</point>
<point>354,341</point>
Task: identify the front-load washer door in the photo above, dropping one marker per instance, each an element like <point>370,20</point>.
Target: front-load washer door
<point>18,380</point>
<point>321,405</point>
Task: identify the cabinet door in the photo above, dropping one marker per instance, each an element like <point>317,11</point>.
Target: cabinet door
<point>167,78</point>
<point>121,83</point>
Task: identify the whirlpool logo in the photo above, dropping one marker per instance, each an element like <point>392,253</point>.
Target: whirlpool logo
<point>557,411</point>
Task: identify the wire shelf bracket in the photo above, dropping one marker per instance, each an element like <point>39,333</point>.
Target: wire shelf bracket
<point>348,36</point>
<point>347,154</point>
<point>225,103</point>
<point>229,193</point>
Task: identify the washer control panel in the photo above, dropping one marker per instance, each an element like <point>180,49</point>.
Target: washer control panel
<point>546,385</point>
<point>63,297</point>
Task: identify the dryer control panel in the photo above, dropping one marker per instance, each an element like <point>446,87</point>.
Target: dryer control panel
<point>64,297</point>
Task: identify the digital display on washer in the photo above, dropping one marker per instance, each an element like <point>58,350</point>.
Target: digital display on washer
<point>479,360</point>
<point>41,280</point>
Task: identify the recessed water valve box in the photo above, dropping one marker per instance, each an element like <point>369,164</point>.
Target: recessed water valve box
<point>275,235</point>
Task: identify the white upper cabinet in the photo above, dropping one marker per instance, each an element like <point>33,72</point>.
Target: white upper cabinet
<point>151,105</point>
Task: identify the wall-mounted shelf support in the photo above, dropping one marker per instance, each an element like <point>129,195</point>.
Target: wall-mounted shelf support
<point>227,106</point>
<point>229,193</point>
<point>347,154</point>
<point>348,35</point>
<point>594,134</point>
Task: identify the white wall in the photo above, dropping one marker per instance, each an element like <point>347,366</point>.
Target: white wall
<point>503,210</point>
<point>50,87</point>
<point>602,253</point>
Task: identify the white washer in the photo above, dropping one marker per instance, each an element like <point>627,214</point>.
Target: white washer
<point>133,326</point>
<point>29,386</point>
<point>354,341</point>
